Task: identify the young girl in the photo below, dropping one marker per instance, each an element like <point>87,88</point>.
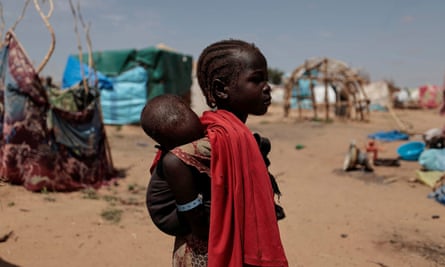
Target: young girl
<point>243,228</point>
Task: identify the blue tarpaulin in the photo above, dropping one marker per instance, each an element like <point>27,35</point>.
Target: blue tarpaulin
<point>389,136</point>
<point>123,103</point>
<point>73,75</point>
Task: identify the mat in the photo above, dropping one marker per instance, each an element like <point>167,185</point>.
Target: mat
<point>429,177</point>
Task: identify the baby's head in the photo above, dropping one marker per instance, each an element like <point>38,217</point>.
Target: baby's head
<point>168,120</point>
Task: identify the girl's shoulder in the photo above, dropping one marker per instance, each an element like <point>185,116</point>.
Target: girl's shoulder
<point>196,154</point>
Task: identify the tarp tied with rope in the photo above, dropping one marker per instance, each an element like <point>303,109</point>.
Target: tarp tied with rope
<point>50,140</point>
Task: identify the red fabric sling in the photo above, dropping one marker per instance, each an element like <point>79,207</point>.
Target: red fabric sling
<point>243,225</point>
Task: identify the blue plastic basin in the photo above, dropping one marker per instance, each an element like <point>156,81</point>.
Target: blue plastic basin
<point>411,150</point>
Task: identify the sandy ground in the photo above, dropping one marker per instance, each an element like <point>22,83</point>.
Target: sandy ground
<point>334,218</point>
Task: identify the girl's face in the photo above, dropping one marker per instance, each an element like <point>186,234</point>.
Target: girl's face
<point>250,94</point>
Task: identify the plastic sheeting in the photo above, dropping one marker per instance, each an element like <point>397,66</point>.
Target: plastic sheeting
<point>73,75</point>
<point>433,159</point>
<point>170,72</point>
<point>124,102</point>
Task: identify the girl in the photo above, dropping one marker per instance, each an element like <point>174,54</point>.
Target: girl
<point>243,229</point>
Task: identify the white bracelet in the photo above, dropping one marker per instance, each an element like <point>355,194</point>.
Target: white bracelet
<point>190,205</point>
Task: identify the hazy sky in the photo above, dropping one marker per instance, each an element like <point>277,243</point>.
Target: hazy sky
<point>401,40</point>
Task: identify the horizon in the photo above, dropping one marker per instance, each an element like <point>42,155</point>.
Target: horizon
<point>397,40</point>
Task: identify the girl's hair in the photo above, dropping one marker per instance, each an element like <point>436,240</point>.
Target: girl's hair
<point>218,61</point>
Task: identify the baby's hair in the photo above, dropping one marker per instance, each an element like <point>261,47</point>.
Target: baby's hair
<point>167,120</point>
<point>217,61</point>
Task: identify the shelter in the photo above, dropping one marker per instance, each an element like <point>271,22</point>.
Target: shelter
<point>331,80</point>
<point>379,95</point>
<point>430,96</point>
<point>128,78</point>
<point>50,139</point>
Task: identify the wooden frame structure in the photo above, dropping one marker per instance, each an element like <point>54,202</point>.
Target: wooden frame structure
<point>351,100</point>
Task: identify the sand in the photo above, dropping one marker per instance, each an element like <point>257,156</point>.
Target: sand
<point>334,218</point>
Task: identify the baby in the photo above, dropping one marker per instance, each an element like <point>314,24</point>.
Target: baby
<point>169,121</point>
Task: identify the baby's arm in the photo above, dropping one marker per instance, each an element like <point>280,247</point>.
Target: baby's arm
<point>180,178</point>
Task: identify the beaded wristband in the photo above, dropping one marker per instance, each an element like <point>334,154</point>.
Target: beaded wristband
<point>190,205</point>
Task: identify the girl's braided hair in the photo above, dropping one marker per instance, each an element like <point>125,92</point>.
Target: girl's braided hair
<point>219,61</point>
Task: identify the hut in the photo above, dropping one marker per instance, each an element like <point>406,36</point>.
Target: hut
<point>341,87</point>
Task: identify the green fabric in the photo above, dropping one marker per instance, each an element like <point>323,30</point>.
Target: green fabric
<point>72,100</point>
<point>111,62</point>
<point>168,71</point>
<point>62,99</point>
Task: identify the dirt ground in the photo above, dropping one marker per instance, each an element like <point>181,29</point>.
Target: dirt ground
<point>334,218</point>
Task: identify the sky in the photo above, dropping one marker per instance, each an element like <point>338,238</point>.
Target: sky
<point>398,40</point>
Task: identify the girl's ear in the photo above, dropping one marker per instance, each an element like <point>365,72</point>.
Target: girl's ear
<point>219,89</point>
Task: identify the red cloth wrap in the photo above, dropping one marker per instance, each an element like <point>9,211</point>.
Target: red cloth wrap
<point>243,225</point>
<point>155,160</point>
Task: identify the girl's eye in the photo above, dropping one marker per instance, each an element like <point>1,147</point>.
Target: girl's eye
<point>257,79</point>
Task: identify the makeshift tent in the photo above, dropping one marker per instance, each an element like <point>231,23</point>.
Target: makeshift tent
<point>303,98</point>
<point>136,76</point>
<point>332,75</point>
<point>50,139</point>
<point>430,96</point>
<point>379,95</point>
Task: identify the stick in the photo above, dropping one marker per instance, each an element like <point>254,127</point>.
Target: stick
<point>45,19</point>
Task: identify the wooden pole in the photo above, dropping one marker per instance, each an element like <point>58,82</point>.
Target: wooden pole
<point>45,19</point>
<point>326,99</point>
<point>287,92</point>
<point>298,89</point>
<point>311,86</point>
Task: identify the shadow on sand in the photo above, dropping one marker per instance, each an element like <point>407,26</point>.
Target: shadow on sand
<point>4,263</point>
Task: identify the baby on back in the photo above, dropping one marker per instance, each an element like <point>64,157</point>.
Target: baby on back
<point>170,122</point>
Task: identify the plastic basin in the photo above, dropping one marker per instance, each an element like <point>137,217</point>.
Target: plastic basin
<point>411,150</point>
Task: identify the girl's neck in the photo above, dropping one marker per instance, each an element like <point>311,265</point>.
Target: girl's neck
<point>241,117</point>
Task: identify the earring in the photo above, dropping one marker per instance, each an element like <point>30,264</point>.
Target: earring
<point>212,104</point>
